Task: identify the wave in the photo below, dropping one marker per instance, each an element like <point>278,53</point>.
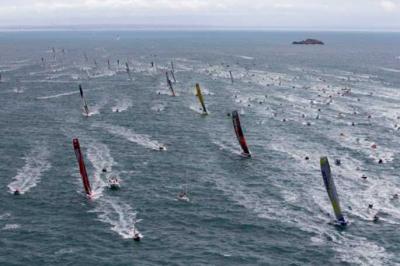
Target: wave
<point>36,162</point>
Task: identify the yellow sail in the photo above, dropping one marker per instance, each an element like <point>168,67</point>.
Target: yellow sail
<point>331,189</point>
<point>201,99</point>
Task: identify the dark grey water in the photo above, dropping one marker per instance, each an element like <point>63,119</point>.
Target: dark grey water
<point>271,209</point>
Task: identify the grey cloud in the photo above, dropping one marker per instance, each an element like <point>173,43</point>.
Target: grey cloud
<point>362,14</point>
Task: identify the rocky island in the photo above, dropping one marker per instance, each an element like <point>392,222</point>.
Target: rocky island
<point>309,41</point>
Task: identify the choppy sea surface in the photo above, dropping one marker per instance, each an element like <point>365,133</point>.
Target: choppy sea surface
<point>339,100</point>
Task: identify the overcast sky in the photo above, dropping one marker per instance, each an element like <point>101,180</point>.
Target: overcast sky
<point>307,14</point>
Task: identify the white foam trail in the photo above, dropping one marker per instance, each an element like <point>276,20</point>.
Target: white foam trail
<point>100,157</point>
<point>349,248</point>
<point>226,146</point>
<point>4,216</point>
<point>365,146</point>
<point>204,90</point>
<point>196,108</point>
<point>105,73</point>
<point>119,215</point>
<point>158,107</point>
<point>95,109</point>
<point>63,94</point>
<point>132,136</point>
<point>19,90</point>
<point>36,162</point>
<point>57,95</point>
<point>11,227</point>
<point>122,105</point>
<point>165,92</point>
<point>245,57</point>
<point>390,69</point>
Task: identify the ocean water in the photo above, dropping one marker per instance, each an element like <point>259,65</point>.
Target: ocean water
<point>271,209</point>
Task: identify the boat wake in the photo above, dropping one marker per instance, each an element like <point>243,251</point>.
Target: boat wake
<point>196,108</point>
<point>57,95</point>
<point>230,147</point>
<point>122,105</point>
<point>119,215</point>
<point>245,57</point>
<point>390,69</point>
<point>158,107</point>
<point>94,110</point>
<point>349,248</point>
<point>130,135</point>
<point>11,227</point>
<point>100,157</point>
<point>36,162</point>
<point>19,90</point>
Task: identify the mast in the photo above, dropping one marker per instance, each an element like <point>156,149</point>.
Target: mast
<point>173,71</point>
<point>230,74</point>
<point>54,53</point>
<point>170,84</point>
<point>86,57</point>
<point>128,70</point>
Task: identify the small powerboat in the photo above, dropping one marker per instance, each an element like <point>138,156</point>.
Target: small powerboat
<point>136,235</point>
<point>183,197</point>
<point>113,183</point>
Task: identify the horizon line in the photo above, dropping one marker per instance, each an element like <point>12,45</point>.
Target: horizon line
<point>155,27</point>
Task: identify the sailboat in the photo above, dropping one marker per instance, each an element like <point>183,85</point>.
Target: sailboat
<point>170,84</point>
<point>136,235</point>
<point>331,189</point>
<point>173,71</point>
<point>184,194</point>
<point>84,103</point>
<point>82,167</point>
<point>128,70</point>
<point>230,74</point>
<point>239,134</point>
<point>201,98</point>
<point>113,183</point>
